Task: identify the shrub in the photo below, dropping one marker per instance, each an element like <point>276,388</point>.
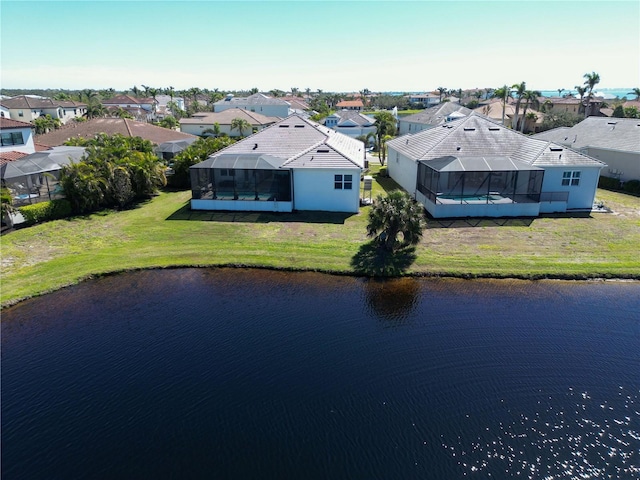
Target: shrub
<point>609,183</point>
<point>45,211</point>
<point>632,186</point>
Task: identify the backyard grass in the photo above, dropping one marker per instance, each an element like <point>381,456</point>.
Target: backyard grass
<point>163,232</point>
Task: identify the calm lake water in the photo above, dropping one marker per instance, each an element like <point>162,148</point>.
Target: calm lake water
<point>265,375</point>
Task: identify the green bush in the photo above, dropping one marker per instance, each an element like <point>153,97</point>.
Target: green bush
<point>45,211</point>
<point>609,183</point>
<point>632,186</point>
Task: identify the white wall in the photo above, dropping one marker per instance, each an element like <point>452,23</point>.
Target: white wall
<point>580,196</point>
<point>281,111</point>
<point>27,137</point>
<point>405,127</point>
<point>313,189</point>
<point>626,162</point>
<point>403,170</point>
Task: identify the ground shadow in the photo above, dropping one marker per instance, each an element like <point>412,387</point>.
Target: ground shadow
<point>478,222</point>
<point>385,181</point>
<point>185,213</point>
<point>375,261</point>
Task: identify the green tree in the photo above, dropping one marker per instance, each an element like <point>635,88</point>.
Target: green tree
<point>530,97</point>
<point>253,90</point>
<point>169,122</point>
<point>441,91</point>
<point>46,124</point>
<point>518,89</point>
<point>135,90</point>
<point>631,112</point>
<point>6,206</point>
<point>636,92</point>
<point>197,152</point>
<point>385,129</point>
<point>396,221</point>
<point>177,112</point>
<point>121,113</point>
<point>502,93</point>
<point>591,80</point>
<point>95,111</point>
<point>241,125</point>
<point>618,112</point>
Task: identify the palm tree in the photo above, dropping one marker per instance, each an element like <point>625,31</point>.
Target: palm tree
<point>294,91</point>
<point>240,124</point>
<point>636,92</point>
<point>385,129</point>
<point>560,90</point>
<point>396,215</point>
<point>170,91</point>
<point>135,90</point>
<point>441,91</point>
<point>519,89</point>
<point>95,110</point>
<point>531,98</point>
<point>502,93</point>
<point>591,80</point>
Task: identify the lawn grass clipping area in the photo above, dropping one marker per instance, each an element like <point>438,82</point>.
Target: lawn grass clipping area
<point>164,232</point>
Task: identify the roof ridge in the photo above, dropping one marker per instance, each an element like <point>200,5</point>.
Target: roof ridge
<point>126,124</point>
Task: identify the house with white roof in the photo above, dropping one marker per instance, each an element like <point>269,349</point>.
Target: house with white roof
<point>351,123</point>
<point>615,141</point>
<point>258,102</point>
<point>201,122</point>
<point>476,167</point>
<point>431,117</point>
<point>295,164</point>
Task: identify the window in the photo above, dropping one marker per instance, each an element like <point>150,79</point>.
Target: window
<point>343,182</point>
<point>13,138</point>
<point>20,113</point>
<point>571,178</point>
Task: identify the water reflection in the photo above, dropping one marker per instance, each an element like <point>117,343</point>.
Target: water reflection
<point>392,300</point>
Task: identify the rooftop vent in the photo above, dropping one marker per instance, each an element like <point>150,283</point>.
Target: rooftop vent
<point>556,149</point>
<point>458,148</point>
<point>322,151</point>
<point>299,126</point>
<point>611,123</point>
<point>283,126</point>
<point>469,129</point>
<point>494,129</point>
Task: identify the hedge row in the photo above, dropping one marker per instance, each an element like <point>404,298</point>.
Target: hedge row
<point>45,211</point>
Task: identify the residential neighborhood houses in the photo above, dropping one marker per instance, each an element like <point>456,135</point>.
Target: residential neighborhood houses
<point>455,160</point>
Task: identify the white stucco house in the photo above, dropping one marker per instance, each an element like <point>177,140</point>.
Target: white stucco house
<point>16,136</point>
<point>201,122</point>
<point>26,108</point>
<point>295,164</point>
<point>350,122</point>
<point>142,109</point>
<point>258,102</point>
<point>615,141</point>
<point>431,117</point>
<point>475,167</point>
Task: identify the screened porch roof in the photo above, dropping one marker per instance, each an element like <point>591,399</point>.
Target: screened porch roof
<point>477,164</point>
<point>243,161</point>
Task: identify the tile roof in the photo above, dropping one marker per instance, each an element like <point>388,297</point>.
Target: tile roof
<point>350,103</point>
<point>353,116</point>
<point>301,143</point>
<point>478,136</point>
<point>599,132</point>
<point>6,123</point>
<point>226,117</point>
<point>110,126</point>
<point>255,99</point>
<point>436,115</point>
<point>128,99</point>
<point>6,157</point>
<point>24,101</point>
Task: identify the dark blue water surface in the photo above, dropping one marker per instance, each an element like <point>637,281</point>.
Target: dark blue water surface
<point>264,375</point>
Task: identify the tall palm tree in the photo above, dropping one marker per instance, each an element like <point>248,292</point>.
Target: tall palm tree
<point>560,90</point>
<point>502,93</point>
<point>531,98</point>
<point>95,110</point>
<point>385,127</point>
<point>591,80</point>
<point>135,90</point>
<point>518,89</point>
<point>240,124</point>
<point>441,91</point>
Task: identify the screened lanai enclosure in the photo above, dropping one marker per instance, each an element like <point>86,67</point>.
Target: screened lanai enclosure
<point>479,186</point>
<point>36,177</point>
<point>241,182</point>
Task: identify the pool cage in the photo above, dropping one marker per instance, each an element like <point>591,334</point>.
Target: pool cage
<point>479,180</point>
<point>241,177</point>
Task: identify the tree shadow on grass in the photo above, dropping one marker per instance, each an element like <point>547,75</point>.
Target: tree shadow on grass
<point>375,261</point>
<point>185,213</point>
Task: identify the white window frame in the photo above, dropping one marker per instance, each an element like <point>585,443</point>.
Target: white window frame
<point>343,181</point>
<point>571,178</point>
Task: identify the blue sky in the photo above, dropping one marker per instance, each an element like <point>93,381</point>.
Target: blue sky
<point>328,45</point>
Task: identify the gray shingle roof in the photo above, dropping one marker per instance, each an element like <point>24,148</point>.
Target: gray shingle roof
<point>478,136</point>
<point>296,140</point>
<point>599,132</point>
<point>435,115</point>
<point>353,116</point>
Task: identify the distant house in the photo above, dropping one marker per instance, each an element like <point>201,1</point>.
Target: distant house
<point>351,123</point>
<point>569,105</point>
<point>16,137</point>
<point>475,167</point>
<point>258,102</point>
<point>4,112</point>
<point>142,109</point>
<point>431,117</point>
<point>296,105</point>
<point>354,105</point>
<point>26,109</point>
<point>295,164</point>
<point>615,141</point>
<point>493,110</point>
<point>203,121</point>
<point>110,126</point>
<point>425,100</point>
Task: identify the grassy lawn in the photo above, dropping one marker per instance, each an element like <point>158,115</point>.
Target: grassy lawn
<point>164,232</point>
